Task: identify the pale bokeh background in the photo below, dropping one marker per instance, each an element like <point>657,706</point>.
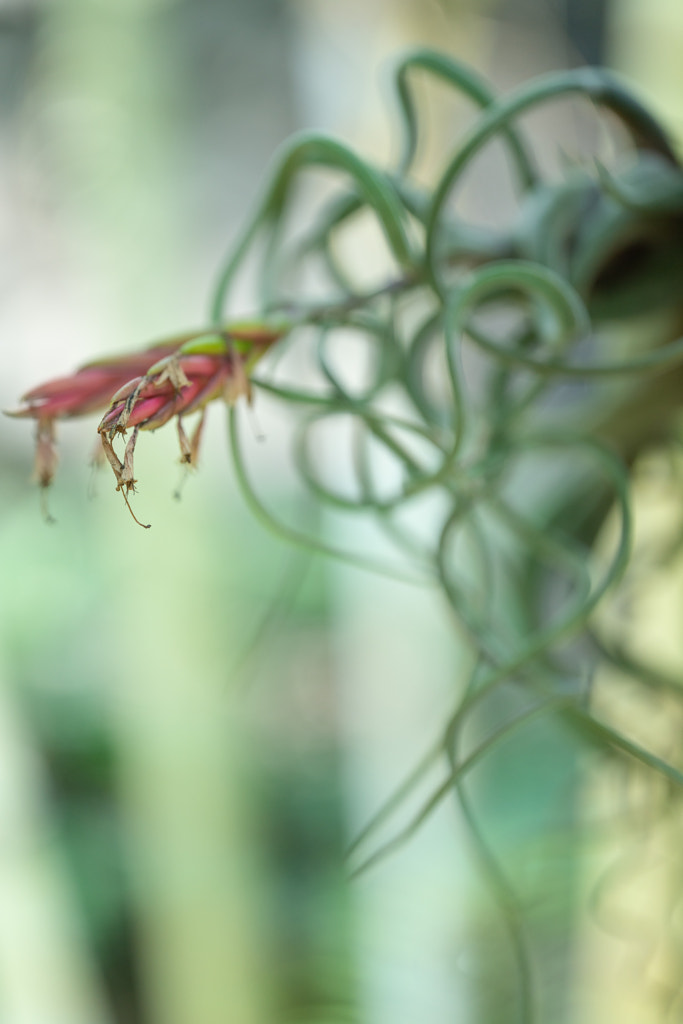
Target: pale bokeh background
<point>173,802</point>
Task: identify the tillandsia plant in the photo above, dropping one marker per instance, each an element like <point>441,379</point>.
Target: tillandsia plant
<point>514,375</point>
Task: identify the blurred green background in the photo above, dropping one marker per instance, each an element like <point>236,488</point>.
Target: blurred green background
<point>194,719</point>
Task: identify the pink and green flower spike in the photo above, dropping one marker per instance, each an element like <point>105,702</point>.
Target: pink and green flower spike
<point>145,389</point>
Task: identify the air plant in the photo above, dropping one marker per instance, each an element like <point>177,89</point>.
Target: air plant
<point>528,443</point>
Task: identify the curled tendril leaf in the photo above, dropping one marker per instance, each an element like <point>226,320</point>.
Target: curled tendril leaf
<point>587,251</point>
<point>595,248</point>
<point>553,391</point>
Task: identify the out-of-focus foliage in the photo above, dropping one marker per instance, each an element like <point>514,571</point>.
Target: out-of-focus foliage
<point>480,394</point>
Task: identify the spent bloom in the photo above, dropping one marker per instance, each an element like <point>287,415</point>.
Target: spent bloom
<point>145,389</point>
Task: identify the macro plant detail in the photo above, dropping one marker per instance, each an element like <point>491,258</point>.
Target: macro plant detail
<point>512,376</point>
<point>144,390</point>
